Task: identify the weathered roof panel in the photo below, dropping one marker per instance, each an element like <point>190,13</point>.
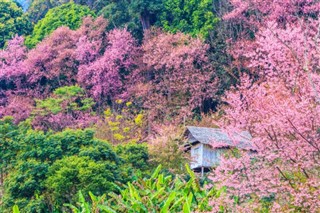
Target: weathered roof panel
<point>216,136</point>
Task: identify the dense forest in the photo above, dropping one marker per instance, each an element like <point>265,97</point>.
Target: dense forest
<point>95,97</point>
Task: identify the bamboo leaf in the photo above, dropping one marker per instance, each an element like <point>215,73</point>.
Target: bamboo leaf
<point>159,192</point>
<point>93,198</point>
<point>177,203</point>
<point>107,209</point>
<point>156,172</point>
<point>187,204</point>
<point>165,208</point>
<point>15,209</point>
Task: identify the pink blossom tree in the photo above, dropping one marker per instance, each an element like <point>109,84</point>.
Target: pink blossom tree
<point>12,67</point>
<point>12,80</point>
<point>285,128</point>
<point>17,106</point>
<point>52,63</point>
<point>177,76</point>
<point>105,77</point>
<point>12,57</point>
<point>55,61</point>
<point>259,12</point>
<point>92,40</point>
<point>280,108</point>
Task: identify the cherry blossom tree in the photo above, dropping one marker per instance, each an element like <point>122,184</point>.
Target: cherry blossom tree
<point>285,127</point>
<point>12,79</point>
<point>17,106</point>
<point>177,76</point>
<point>52,63</point>
<point>12,56</point>
<point>258,12</point>
<point>105,76</point>
<point>92,40</point>
<point>279,104</point>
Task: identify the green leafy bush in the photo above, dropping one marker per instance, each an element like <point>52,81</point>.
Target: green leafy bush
<point>159,193</point>
<point>188,16</point>
<point>47,169</point>
<point>12,21</point>
<point>69,15</point>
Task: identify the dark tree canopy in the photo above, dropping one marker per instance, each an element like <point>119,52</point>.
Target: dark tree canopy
<point>136,15</point>
<point>189,16</point>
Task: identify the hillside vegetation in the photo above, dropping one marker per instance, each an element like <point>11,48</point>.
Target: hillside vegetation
<point>95,97</point>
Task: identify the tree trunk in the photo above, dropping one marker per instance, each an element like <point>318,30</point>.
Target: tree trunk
<point>145,21</point>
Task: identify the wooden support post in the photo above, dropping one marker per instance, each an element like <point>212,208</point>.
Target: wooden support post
<point>202,171</point>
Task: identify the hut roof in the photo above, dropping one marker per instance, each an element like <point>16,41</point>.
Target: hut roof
<point>217,138</point>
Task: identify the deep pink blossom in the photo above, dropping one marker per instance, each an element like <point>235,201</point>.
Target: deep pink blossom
<point>105,76</point>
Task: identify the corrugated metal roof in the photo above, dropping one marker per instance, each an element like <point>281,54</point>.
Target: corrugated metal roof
<point>215,135</point>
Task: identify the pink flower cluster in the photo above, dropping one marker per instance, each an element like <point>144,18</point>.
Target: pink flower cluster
<point>280,107</point>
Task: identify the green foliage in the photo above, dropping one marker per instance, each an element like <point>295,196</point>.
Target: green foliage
<point>135,159</point>
<point>135,15</point>
<point>159,193</point>
<point>117,13</point>
<point>15,209</point>
<point>69,15</point>
<point>10,134</point>
<point>68,175</point>
<point>48,169</point>
<point>24,185</point>
<point>189,16</point>
<point>12,21</point>
<point>88,207</point>
<point>68,107</point>
<point>38,9</point>
<point>64,99</point>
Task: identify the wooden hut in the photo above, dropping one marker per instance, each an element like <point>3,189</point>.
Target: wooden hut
<point>206,145</point>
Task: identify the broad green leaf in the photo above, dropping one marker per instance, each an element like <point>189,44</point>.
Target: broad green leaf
<point>156,172</point>
<point>165,208</point>
<point>15,209</point>
<point>107,209</point>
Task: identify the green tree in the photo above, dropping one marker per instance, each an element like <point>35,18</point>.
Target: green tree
<point>12,21</point>
<point>44,161</point>
<point>135,160</point>
<point>135,15</point>
<point>49,168</point>
<point>190,16</point>
<point>146,10</point>
<point>9,146</point>
<point>38,8</point>
<point>70,174</point>
<point>24,186</point>
<point>119,16</point>
<point>69,15</point>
